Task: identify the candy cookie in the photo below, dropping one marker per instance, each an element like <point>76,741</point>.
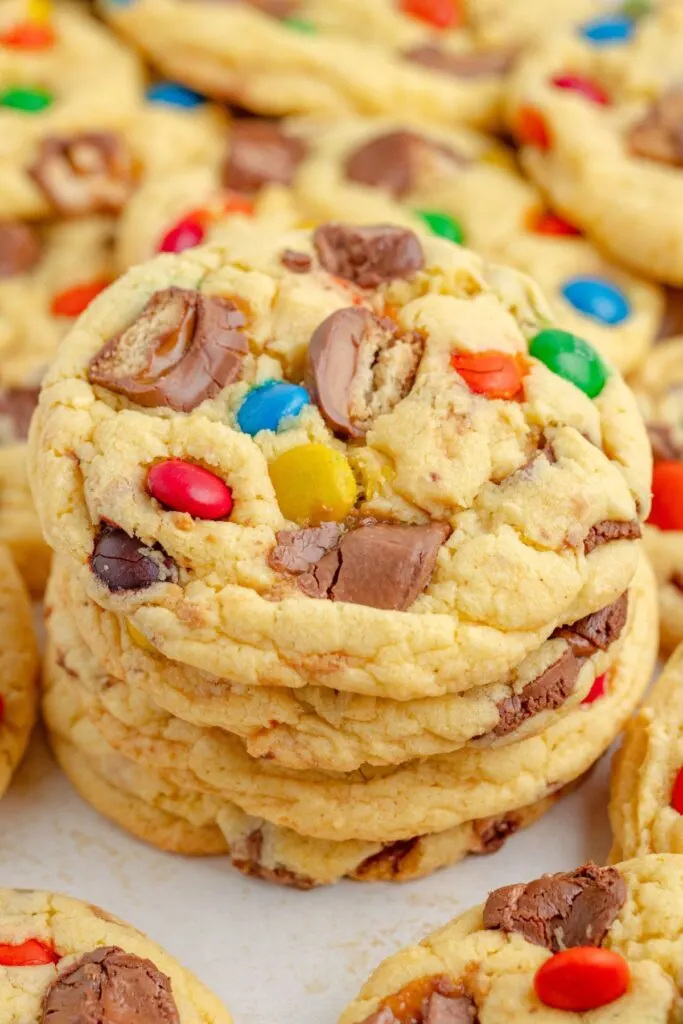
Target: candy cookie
<point>315,727</point>
<point>596,944</point>
<point>18,669</point>
<point>67,87</point>
<point>65,961</point>
<point>324,56</point>
<point>659,388</point>
<point>597,112</point>
<point>377,805</point>
<point>330,400</point>
<point>500,23</point>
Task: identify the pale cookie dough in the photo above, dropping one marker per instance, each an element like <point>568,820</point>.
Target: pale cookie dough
<point>489,521</point>
<point>60,109</point>
<point>599,122</point>
<point>315,727</point>
<point>501,23</point>
<point>378,805</point>
<point>63,961</point>
<point>18,669</point>
<point>494,963</point>
<point>323,56</point>
<point>659,389</point>
<point>646,805</point>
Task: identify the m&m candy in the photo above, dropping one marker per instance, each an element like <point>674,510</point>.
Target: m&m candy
<point>608,29</point>
<point>493,374</point>
<point>591,90</point>
<point>268,405</point>
<point>597,690</point>
<point>545,222</point>
<point>73,301</point>
<point>174,95</point>
<point>570,357</point>
<point>598,299</point>
<point>443,225</point>
<point>581,979</point>
<point>31,953</point>
<point>530,128</point>
<point>667,496</point>
<point>28,100</point>
<point>313,484</point>
<point>439,13</point>
<point>186,487</point>
<point>187,233</point>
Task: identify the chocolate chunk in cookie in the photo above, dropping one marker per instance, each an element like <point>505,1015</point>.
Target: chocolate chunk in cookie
<point>183,348</point>
<point>261,153</point>
<point>17,406</point>
<point>394,161</point>
<point>20,248</point>
<point>81,174</point>
<point>360,366</point>
<point>659,135</point>
<point>609,530</point>
<point>123,562</point>
<point>429,1000</point>
<point>665,446</point>
<point>545,693</point>
<point>298,550</point>
<point>671,323</point>
<point>109,986</point>
<point>574,908</point>
<point>246,855</point>
<point>297,262</point>
<point>598,631</point>
<point>494,832</point>
<point>368,256</point>
<point>466,64</point>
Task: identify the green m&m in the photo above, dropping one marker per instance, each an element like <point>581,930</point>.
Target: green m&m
<point>570,357</point>
<point>442,225</point>
<point>300,25</point>
<point>31,101</point>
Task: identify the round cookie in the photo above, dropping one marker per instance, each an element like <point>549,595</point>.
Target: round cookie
<point>597,115</point>
<point>659,389</point>
<point>61,105</point>
<point>454,478</point>
<point>18,669</point>
<point>375,805</point>
<point>598,939</point>
<point>324,56</point>
<point>64,961</point>
<point>315,727</point>
<point>500,23</point>
<point>646,804</point>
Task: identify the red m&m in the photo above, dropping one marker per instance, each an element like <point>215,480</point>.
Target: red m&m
<point>28,35</point>
<point>597,690</point>
<point>545,222</point>
<point>667,496</point>
<point>677,792</point>
<point>591,90</point>
<point>531,129</point>
<point>187,233</point>
<point>32,953</point>
<point>185,487</point>
<point>440,13</point>
<point>494,374</point>
<point>581,979</point>
<point>72,301</point>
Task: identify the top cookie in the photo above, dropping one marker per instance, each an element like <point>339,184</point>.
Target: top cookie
<point>324,56</point>
<point>63,961</point>
<point>599,111</point>
<point>455,478</point>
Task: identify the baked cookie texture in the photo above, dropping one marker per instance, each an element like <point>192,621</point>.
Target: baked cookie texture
<point>196,791</point>
<point>460,184</point>
<point>18,669</point>
<point>659,390</point>
<point>646,793</point>
<point>324,56</point>
<point>489,521</point>
<point>598,117</point>
<point>63,960</point>
<point>599,943</point>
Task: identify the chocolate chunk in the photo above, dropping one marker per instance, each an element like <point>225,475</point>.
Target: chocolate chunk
<point>17,406</point>
<point>494,832</point>
<point>545,693</point>
<point>671,324</point>
<point>109,986</point>
<point>449,1010</point>
<point>246,857</point>
<point>659,135</point>
<point>276,8</point>
<point>261,153</point>
<point>383,1016</point>
<point>574,908</point>
<point>381,566</point>
<point>183,348</point>
<point>360,366</point>
<point>664,444</point>
<point>298,550</point>
<point>429,1000</point>
<point>297,262</point>
<point>596,632</point>
<point>677,581</point>
<point>20,248</point>
<point>87,173</point>
<point>368,256</point>
<point>465,64</point>
<point>608,530</point>
<point>393,161</point>
<point>387,862</point>
<point>123,562</point>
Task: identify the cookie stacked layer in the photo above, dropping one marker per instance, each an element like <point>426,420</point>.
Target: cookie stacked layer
<point>349,577</point>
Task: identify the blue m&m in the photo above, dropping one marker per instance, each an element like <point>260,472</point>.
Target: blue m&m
<point>174,95</point>
<point>598,299</point>
<point>269,404</point>
<point>608,29</point>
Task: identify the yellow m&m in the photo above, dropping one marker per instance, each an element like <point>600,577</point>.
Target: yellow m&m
<point>313,484</point>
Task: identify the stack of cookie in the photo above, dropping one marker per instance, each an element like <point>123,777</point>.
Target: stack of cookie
<point>349,577</point>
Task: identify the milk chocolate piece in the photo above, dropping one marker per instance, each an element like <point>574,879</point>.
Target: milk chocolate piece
<point>608,530</point>
<point>545,693</point>
<point>298,550</point>
<point>261,153</point>
<point>297,262</point>
<point>17,406</point>
<point>598,631</point>
<point>87,173</point>
<point>368,256</point>
<point>392,161</point>
<point>246,857</point>
<point>20,248</point>
<point>466,64</point>
<point>659,135</point>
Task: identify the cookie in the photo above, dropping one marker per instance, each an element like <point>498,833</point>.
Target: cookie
<point>315,727</point>
<point>596,111</point>
<point>18,669</point>
<point>64,960</point>
<point>646,799</point>
<point>444,456</point>
<point>599,943</point>
<point>383,805</point>
<point>498,23</point>
<point>659,389</point>
<point>62,103</point>
<point>324,56</point>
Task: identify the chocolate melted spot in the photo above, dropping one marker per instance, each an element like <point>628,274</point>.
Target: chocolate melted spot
<point>368,256</point>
